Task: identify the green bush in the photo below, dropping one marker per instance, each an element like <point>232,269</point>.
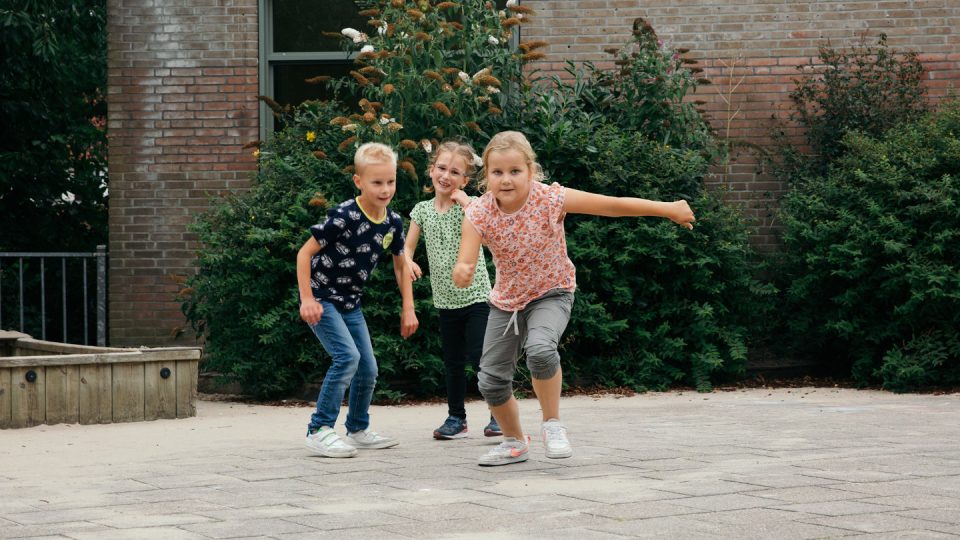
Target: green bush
<point>865,89</point>
<point>243,301</point>
<point>873,256</point>
<point>656,304</point>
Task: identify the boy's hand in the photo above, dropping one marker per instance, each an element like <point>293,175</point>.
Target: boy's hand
<point>460,197</point>
<point>310,311</point>
<point>681,214</point>
<point>408,323</point>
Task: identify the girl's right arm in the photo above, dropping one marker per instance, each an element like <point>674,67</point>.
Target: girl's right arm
<point>584,202</point>
<point>466,264</point>
<point>409,247</point>
<point>310,309</point>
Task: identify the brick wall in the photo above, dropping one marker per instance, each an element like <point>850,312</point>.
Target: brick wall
<point>182,84</point>
<point>182,101</point>
<point>758,45</point>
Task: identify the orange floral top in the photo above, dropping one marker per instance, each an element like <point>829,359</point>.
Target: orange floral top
<point>529,246</point>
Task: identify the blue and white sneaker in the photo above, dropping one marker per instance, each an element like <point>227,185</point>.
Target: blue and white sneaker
<point>452,428</point>
<point>493,428</point>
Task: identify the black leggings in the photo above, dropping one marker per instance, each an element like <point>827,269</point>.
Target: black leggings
<point>461,337</point>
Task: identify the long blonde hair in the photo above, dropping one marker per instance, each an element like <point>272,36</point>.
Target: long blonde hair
<point>459,149</point>
<point>512,140</point>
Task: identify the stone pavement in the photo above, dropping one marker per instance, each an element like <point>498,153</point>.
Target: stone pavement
<point>784,463</point>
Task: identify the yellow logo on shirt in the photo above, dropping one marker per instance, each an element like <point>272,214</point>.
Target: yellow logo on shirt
<point>387,239</point>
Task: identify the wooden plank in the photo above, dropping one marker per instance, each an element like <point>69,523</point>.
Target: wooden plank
<point>27,402</point>
<point>70,359</point>
<point>63,394</point>
<point>145,355</point>
<point>160,394</point>
<point>187,388</point>
<point>96,394</point>
<point>127,392</point>
<point>6,393</point>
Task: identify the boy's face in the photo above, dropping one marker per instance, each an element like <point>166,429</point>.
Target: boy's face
<point>509,178</point>
<point>377,184</point>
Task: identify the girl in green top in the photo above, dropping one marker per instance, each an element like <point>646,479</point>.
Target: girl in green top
<point>463,312</point>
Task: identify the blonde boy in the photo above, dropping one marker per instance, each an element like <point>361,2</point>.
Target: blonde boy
<point>332,268</point>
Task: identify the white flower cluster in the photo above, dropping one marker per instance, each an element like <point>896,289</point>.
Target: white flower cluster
<point>356,35</point>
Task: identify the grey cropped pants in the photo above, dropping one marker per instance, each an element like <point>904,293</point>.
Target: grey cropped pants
<point>534,330</point>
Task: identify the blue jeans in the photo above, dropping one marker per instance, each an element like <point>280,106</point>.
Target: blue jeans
<point>345,337</point>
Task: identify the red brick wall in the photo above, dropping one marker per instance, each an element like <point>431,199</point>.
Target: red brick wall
<point>182,101</point>
<point>182,84</point>
<point>764,42</point>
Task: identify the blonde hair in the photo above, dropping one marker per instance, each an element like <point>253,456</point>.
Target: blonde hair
<point>511,140</point>
<point>372,153</point>
<point>458,149</point>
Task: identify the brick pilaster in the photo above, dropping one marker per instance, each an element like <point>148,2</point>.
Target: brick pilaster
<point>182,84</point>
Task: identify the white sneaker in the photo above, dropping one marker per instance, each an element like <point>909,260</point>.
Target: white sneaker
<point>327,443</point>
<point>371,439</point>
<point>509,451</point>
<point>555,439</point>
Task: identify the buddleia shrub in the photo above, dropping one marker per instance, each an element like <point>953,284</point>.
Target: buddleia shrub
<point>864,88</point>
<point>424,71</point>
<point>873,256</point>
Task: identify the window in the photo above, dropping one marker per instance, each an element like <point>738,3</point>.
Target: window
<point>293,48</point>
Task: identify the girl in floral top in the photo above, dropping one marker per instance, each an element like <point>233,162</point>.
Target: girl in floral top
<point>520,219</point>
<point>463,311</point>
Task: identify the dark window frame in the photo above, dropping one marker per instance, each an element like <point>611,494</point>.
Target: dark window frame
<point>269,59</point>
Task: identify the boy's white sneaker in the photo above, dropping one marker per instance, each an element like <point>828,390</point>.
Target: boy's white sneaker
<point>327,443</point>
<point>555,439</point>
<point>371,439</point>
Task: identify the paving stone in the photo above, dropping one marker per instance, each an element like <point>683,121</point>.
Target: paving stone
<point>875,523</point>
<point>146,533</point>
<point>245,528</point>
<point>52,529</point>
<point>808,494</point>
<point>836,508</point>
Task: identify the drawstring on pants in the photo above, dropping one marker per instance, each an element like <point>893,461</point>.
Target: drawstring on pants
<point>516,329</point>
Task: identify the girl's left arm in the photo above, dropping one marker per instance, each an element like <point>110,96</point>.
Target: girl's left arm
<point>466,263</point>
<point>583,202</point>
<point>408,314</point>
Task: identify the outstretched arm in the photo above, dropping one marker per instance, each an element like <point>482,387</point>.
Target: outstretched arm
<point>466,264</point>
<point>583,202</point>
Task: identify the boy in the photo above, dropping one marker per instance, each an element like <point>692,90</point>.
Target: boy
<point>332,268</point>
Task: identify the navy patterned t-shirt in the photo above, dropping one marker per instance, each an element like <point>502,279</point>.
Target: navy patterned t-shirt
<point>351,243</point>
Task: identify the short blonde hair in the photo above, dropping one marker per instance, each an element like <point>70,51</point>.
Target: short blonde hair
<point>373,153</point>
<point>459,149</point>
<point>511,140</point>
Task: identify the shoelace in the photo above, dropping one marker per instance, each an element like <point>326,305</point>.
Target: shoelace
<point>554,432</point>
<point>506,446</point>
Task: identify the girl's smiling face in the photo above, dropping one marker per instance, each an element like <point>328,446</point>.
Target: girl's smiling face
<point>509,177</point>
<point>448,174</point>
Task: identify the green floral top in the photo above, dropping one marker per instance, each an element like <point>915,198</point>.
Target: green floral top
<point>442,235</point>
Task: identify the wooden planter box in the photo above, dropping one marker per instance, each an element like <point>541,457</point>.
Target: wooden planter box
<point>43,382</point>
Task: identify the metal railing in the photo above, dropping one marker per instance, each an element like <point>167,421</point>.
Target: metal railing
<point>17,269</point>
